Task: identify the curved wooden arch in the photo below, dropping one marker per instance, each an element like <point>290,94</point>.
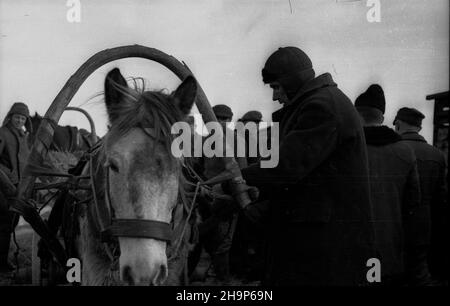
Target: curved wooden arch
<point>45,131</point>
<point>94,137</point>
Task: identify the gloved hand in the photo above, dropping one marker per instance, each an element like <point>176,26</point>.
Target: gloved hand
<point>252,191</point>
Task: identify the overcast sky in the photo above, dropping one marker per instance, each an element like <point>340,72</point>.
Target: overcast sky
<point>225,43</point>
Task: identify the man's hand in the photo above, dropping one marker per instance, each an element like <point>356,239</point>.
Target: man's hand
<point>252,191</point>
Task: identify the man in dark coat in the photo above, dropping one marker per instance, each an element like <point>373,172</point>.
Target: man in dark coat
<point>319,224</point>
<point>434,207</point>
<point>394,181</point>
<point>14,153</point>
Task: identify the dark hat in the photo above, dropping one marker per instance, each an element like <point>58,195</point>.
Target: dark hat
<point>253,116</point>
<point>20,109</point>
<point>411,116</point>
<point>290,66</point>
<point>222,110</point>
<point>373,97</point>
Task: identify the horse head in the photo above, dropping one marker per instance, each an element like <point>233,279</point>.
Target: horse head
<point>143,176</point>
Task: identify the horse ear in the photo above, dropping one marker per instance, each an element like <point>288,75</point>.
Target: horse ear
<point>184,95</point>
<point>114,91</point>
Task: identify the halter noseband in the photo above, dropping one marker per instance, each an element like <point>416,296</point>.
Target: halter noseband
<point>133,228</point>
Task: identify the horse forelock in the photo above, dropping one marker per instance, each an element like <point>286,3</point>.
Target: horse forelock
<point>144,109</point>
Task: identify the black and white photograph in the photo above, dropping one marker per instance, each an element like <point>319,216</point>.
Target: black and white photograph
<point>224,148</point>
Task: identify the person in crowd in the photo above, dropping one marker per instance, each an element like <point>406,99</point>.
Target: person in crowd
<point>319,218</point>
<point>434,206</point>
<point>252,116</point>
<point>14,152</point>
<point>395,190</point>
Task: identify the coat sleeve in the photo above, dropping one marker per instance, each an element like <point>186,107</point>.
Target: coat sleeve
<point>309,142</point>
<point>3,168</point>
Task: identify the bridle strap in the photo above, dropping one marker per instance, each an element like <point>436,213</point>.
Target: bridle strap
<point>132,228</point>
<point>138,228</point>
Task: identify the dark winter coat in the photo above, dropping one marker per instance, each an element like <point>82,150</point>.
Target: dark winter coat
<point>395,193</point>
<point>14,152</point>
<point>320,230</point>
<point>432,172</point>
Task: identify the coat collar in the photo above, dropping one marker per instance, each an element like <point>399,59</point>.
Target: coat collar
<point>321,81</point>
<point>413,136</point>
<point>15,132</point>
<point>380,135</point>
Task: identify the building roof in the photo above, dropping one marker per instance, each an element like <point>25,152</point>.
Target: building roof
<point>437,96</point>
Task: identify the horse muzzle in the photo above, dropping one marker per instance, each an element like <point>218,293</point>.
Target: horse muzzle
<point>143,262</point>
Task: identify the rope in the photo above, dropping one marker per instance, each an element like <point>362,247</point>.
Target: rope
<point>194,173</point>
<point>175,253</point>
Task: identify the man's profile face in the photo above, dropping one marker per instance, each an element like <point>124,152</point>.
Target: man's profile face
<point>18,121</point>
<point>278,93</point>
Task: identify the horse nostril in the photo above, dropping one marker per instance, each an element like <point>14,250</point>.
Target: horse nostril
<point>160,276</point>
<point>127,275</point>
